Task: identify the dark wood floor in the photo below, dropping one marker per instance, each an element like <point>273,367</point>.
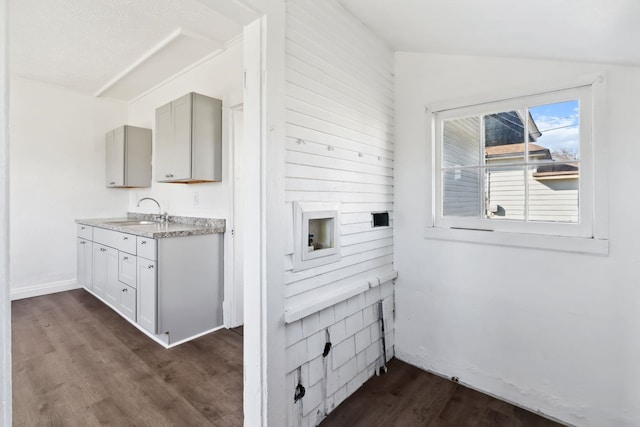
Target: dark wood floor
<point>78,363</point>
<point>407,396</point>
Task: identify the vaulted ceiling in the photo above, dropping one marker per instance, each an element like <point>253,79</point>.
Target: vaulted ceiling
<point>115,48</point>
<point>577,30</point>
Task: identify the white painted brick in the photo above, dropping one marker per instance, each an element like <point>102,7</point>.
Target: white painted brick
<point>390,353</point>
<point>343,352</point>
<point>375,331</point>
<point>373,352</point>
<point>316,370</point>
<point>340,310</point>
<point>355,304</point>
<point>310,325</point>
<point>293,332</point>
<point>312,399</point>
<point>386,289</point>
<point>348,372</point>
<point>370,314</point>
<point>354,384</point>
<point>315,344</point>
<point>337,332</point>
<point>304,374</point>
<point>361,360</point>
<point>296,355</point>
<point>333,381</point>
<point>363,339</point>
<point>354,323</point>
<point>390,338</point>
<point>327,317</point>
<point>338,397</point>
<point>372,296</point>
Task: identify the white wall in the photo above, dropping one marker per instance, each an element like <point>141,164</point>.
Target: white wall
<point>220,77</point>
<point>339,155</point>
<point>339,128</point>
<point>57,175</point>
<point>552,331</point>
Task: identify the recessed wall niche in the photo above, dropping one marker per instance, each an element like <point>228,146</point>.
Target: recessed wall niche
<point>316,234</point>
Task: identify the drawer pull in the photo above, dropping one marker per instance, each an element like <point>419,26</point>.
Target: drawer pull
<point>125,238</point>
<point>124,290</point>
<point>144,242</point>
<point>125,258</point>
<point>150,266</point>
<point>103,250</point>
<point>82,228</point>
<point>82,242</point>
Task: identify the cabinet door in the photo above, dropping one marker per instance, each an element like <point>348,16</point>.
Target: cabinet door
<point>147,294</point>
<point>181,110</point>
<point>127,269</point>
<point>127,304</point>
<point>115,167</point>
<point>85,263</point>
<point>164,144</point>
<point>113,285</point>
<point>99,269</point>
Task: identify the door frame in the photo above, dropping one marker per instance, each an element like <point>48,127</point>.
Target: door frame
<point>233,283</point>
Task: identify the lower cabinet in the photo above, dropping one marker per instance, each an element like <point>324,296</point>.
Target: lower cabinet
<point>105,270</point>
<point>170,287</point>
<point>85,263</point>
<point>127,303</point>
<point>147,283</point>
<point>113,274</point>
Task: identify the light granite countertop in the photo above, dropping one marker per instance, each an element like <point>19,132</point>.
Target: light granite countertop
<point>176,226</point>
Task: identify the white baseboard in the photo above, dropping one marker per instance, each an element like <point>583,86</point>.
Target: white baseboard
<point>43,289</point>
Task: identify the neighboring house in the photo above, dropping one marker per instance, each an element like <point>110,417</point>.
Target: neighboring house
<point>553,185</point>
<point>553,188</point>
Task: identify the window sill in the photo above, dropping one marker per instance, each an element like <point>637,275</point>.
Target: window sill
<point>578,245</point>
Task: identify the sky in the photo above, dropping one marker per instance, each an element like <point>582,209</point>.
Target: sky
<point>559,126</point>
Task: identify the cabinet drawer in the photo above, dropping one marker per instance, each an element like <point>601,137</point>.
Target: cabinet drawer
<point>127,269</point>
<point>121,241</point>
<point>146,248</point>
<point>128,302</point>
<point>85,231</point>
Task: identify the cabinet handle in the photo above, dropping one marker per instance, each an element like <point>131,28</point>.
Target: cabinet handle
<point>82,228</point>
<point>82,242</point>
<point>103,250</point>
<point>125,238</point>
<point>124,290</point>
<point>125,258</point>
<point>169,175</point>
<point>144,242</point>
<point>150,266</point>
<point>112,183</point>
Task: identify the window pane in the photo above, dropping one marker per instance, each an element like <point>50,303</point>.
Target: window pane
<point>504,137</point>
<point>461,192</point>
<point>505,193</point>
<point>461,142</point>
<point>557,132</point>
<point>553,195</point>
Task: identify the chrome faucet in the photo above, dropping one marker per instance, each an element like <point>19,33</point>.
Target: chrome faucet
<point>162,217</point>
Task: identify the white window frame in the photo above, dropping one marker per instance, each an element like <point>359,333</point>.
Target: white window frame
<point>590,234</point>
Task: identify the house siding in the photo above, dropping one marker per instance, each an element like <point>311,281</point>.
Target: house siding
<point>339,150</point>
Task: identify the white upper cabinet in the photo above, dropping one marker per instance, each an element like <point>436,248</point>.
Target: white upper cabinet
<point>128,157</point>
<point>189,140</point>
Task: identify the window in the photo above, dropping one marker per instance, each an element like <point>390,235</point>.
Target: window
<point>521,165</point>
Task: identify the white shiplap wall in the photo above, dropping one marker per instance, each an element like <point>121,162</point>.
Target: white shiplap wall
<point>339,140</point>
<point>339,150</point>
